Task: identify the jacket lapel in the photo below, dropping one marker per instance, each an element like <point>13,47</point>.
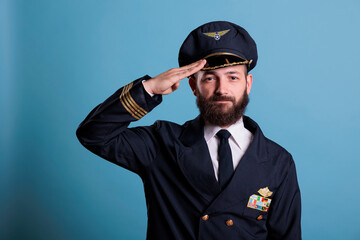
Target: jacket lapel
<point>195,162</point>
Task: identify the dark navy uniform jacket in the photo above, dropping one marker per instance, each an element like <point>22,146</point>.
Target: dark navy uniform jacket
<point>183,198</point>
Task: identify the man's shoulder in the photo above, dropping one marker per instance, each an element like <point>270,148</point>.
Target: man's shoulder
<point>273,150</point>
<point>276,158</point>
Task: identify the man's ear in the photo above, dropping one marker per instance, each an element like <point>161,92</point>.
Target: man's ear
<point>192,83</point>
<point>249,81</point>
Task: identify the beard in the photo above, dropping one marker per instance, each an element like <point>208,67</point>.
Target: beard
<point>214,113</point>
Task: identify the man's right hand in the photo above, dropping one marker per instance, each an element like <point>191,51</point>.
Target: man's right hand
<point>169,81</point>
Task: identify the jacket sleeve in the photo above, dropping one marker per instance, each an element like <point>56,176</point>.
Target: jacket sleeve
<point>284,220</point>
<point>105,130</point>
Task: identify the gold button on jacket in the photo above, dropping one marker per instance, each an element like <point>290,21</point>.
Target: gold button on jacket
<point>229,222</point>
<point>205,217</point>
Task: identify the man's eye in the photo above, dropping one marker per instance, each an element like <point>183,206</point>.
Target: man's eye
<point>234,78</point>
<point>208,79</point>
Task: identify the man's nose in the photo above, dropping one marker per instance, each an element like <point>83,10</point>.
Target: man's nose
<point>222,86</point>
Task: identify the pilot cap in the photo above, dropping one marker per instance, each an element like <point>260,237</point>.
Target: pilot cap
<point>222,44</point>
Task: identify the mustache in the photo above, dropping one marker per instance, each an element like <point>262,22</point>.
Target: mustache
<point>222,98</point>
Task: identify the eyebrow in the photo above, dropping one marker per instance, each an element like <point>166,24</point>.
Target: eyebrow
<point>232,72</point>
<point>227,73</point>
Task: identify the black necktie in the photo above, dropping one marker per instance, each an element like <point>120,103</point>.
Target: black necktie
<point>226,168</point>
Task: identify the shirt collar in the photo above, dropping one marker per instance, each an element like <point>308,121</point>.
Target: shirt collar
<point>238,132</point>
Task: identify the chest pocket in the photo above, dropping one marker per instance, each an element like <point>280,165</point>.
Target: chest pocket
<point>250,222</point>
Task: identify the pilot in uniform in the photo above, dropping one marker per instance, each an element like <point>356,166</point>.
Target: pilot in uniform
<point>190,191</point>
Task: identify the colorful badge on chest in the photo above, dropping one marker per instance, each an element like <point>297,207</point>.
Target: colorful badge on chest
<point>259,203</point>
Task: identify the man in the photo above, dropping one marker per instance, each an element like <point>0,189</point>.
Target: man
<point>217,176</point>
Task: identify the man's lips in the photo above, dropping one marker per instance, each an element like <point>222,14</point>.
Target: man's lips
<point>221,99</point>
<point>217,97</point>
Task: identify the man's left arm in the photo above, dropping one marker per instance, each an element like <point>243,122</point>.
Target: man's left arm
<point>284,221</point>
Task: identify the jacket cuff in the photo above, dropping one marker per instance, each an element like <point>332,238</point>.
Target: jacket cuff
<point>136,100</point>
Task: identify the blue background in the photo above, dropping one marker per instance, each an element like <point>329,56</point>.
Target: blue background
<point>61,58</point>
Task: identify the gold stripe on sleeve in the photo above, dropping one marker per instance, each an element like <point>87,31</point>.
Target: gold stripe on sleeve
<point>138,109</point>
<point>126,88</point>
<point>129,104</point>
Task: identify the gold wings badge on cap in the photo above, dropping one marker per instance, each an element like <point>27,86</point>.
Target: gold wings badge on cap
<point>217,35</point>
<point>265,192</point>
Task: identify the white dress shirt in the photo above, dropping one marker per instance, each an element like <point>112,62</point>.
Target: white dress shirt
<point>239,142</point>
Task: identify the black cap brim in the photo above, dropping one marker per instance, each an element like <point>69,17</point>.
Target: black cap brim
<point>224,59</point>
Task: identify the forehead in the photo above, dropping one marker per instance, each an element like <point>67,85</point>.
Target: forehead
<point>237,69</point>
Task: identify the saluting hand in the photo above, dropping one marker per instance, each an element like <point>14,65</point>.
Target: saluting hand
<point>169,81</point>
